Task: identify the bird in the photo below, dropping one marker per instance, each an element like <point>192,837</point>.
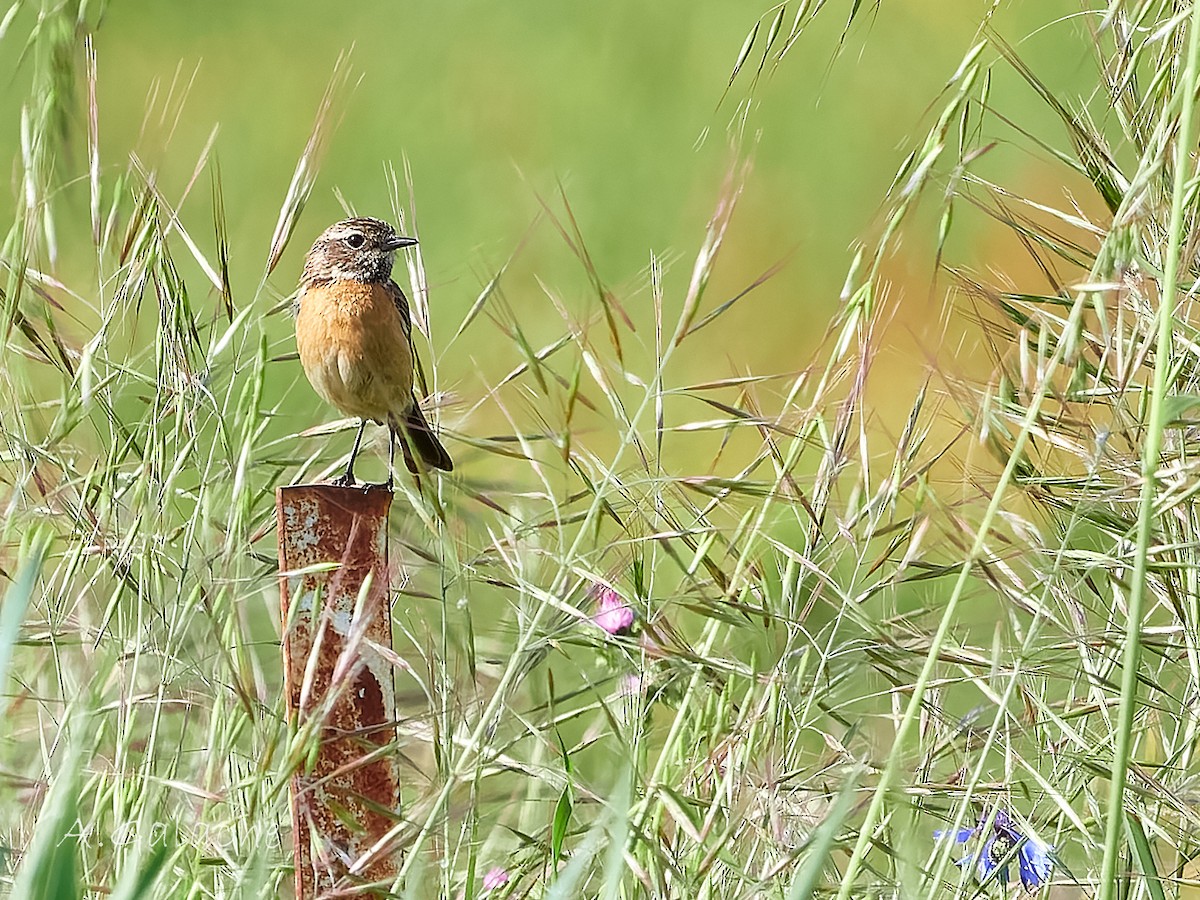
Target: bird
<point>353,334</point>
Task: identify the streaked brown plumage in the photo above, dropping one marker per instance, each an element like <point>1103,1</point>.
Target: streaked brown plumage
<point>352,331</point>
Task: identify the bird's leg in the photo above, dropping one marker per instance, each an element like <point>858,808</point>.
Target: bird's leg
<point>392,438</point>
<point>347,480</point>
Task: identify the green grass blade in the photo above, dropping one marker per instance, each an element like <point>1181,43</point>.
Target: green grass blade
<point>49,868</point>
<point>16,602</point>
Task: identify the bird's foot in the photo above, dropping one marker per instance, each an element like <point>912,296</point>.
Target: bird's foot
<point>344,480</point>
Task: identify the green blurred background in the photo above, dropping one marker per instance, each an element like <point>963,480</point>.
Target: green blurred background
<point>494,105</point>
<point>625,104</point>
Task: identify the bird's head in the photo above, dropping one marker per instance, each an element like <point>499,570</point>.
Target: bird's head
<point>359,249</point>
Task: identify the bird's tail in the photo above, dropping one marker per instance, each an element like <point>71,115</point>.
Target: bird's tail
<point>415,432</point>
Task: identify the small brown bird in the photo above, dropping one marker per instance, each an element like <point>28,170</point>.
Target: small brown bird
<point>352,330</point>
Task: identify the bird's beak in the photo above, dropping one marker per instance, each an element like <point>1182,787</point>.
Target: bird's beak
<point>397,242</point>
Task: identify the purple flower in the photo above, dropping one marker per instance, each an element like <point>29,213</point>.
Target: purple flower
<point>495,877</point>
<point>612,613</point>
<point>1035,859</point>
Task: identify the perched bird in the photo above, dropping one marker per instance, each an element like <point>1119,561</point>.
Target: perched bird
<point>352,330</point>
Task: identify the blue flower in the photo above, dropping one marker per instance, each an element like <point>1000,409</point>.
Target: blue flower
<point>1035,858</point>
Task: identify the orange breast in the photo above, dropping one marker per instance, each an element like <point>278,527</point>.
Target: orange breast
<point>354,350</point>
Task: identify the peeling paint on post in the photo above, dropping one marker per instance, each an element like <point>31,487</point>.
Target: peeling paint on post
<point>334,590</point>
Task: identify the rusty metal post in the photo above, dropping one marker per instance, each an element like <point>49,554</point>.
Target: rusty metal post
<point>333,584</point>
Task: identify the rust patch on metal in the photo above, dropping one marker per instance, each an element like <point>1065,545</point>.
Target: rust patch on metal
<point>334,591</point>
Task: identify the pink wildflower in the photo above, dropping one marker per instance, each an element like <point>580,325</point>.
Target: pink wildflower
<point>632,686</point>
<point>495,877</point>
<point>612,614</point>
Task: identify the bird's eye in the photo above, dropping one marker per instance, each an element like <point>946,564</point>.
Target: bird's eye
<point>356,241</point>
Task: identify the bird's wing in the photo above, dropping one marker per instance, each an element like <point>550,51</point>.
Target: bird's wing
<point>401,306</point>
<point>406,323</point>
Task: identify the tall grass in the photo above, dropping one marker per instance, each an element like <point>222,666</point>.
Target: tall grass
<point>843,640</point>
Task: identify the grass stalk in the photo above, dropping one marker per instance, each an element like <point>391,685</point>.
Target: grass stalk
<point>1151,448</point>
<point>531,632</point>
<point>897,758</point>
